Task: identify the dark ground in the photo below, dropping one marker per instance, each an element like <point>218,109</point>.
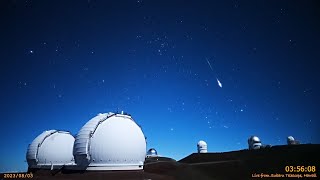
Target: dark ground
<point>229,165</point>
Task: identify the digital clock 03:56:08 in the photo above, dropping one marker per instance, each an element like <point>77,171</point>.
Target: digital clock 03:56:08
<point>308,169</point>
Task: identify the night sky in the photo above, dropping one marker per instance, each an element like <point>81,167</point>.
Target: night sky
<point>63,62</point>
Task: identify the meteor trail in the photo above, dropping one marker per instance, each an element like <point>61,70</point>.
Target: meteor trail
<point>219,83</point>
<point>209,64</point>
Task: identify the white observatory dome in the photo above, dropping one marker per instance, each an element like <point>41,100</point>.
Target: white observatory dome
<point>254,142</point>
<point>152,153</point>
<point>202,147</point>
<point>291,140</point>
<point>50,149</point>
<point>110,141</point>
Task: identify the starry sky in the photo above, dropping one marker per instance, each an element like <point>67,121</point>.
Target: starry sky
<point>63,62</point>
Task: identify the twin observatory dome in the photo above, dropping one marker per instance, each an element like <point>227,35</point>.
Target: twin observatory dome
<point>109,141</point>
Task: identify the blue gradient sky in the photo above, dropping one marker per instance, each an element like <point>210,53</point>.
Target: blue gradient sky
<point>63,62</point>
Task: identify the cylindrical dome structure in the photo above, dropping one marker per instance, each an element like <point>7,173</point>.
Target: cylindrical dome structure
<point>110,141</point>
<point>254,142</point>
<point>290,140</point>
<point>152,153</point>
<point>202,147</point>
<point>51,149</point>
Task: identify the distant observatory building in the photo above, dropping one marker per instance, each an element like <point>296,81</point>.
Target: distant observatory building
<point>50,150</point>
<point>152,156</point>
<point>152,153</point>
<point>110,141</point>
<point>202,147</point>
<point>292,141</point>
<point>254,142</point>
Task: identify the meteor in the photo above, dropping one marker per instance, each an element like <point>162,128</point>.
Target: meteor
<point>219,83</point>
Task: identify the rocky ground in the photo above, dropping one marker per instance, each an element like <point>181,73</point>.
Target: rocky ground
<point>242,164</point>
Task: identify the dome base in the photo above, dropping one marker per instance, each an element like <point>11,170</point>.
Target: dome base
<point>114,167</point>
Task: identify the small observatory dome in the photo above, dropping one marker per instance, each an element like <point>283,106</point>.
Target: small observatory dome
<point>152,153</point>
<point>254,142</point>
<point>51,149</point>
<point>110,141</point>
<point>202,147</point>
<point>292,141</point>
